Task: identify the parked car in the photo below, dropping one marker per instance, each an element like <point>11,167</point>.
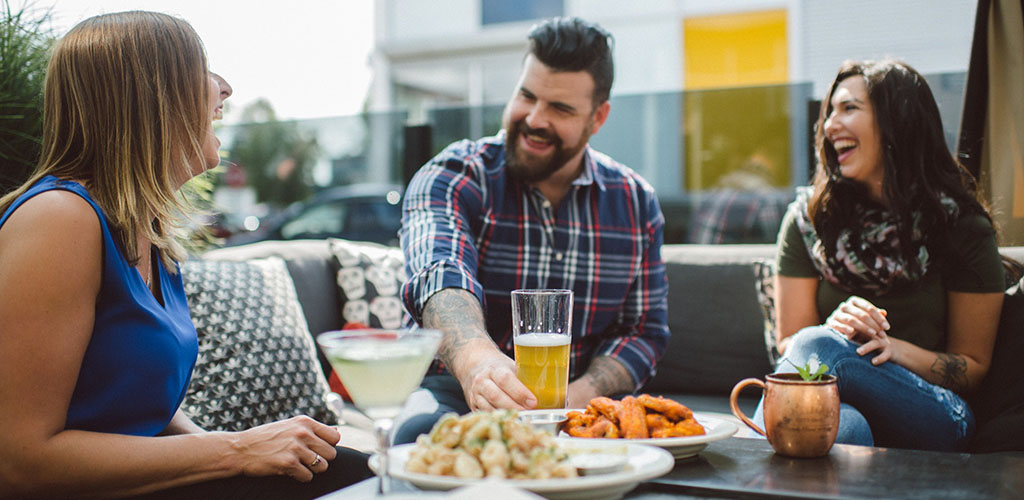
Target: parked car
<point>361,212</point>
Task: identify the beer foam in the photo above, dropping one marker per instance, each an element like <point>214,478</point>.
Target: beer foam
<point>542,340</point>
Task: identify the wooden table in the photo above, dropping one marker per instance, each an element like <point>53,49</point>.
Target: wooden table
<point>748,468</point>
<point>745,468</point>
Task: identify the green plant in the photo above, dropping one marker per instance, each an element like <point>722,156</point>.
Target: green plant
<point>25,42</point>
<point>277,155</point>
<point>811,371</point>
<point>198,193</point>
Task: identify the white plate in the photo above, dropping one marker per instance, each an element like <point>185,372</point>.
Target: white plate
<point>715,429</point>
<point>644,462</point>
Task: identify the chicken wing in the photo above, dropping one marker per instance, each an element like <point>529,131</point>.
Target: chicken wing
<point>657,425</point>
<point>672,410</point>
<point>688,427</point>
<point>603,406</point>
<point>632,418</point>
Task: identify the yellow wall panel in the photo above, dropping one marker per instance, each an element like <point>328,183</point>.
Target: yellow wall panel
<point>737,107</point>
<point>726,50</point>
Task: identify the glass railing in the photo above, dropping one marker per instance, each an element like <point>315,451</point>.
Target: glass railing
<point>723,161</point>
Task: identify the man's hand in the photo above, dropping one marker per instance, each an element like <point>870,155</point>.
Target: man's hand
<point>605,377</point>
<point>580,393</point>
<point>489,382</point>
<point>487,376</point>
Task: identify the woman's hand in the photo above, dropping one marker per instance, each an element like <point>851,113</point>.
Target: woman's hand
<point>298,447</point>
<point>863,322</point>
<point>885,348</point>
<point>859,320</point>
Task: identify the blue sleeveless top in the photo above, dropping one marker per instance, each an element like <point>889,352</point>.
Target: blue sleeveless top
<point>139,360</point>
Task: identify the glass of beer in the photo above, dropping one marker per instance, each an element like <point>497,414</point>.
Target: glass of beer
<point>542,330</point>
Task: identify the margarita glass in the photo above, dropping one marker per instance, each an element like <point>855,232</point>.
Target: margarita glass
<point>379,369</point>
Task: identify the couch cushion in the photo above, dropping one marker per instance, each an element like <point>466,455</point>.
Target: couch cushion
<point>369,279</point>
<point>999,403</point>
<point>716,322</point>
<point>764,286</point>
<point>309,263</point>
<point>257,362</point>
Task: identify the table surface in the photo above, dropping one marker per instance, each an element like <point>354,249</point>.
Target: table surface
<point>748,468</point>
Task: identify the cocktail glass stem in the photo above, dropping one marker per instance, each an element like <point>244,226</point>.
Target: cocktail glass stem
<point>382,428</point>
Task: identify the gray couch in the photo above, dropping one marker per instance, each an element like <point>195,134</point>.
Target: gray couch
<point>715,319</point>
<point>714,315</point>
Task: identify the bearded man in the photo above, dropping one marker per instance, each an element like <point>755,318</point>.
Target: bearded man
<point>535,207</point>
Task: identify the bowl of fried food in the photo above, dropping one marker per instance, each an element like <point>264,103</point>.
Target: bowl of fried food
<point>501,448</point>
<point>650,420</point>
<point>639,417</point>
<point>488,444</point>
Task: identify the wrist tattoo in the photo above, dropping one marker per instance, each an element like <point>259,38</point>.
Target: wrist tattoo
<point>952,371</point>
<point>458,315</point>
<point>609,377</point>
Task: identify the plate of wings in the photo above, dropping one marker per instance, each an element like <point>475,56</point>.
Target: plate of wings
<point>646,419</point>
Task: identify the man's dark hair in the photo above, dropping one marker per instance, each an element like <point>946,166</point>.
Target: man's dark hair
<point>572,44</point>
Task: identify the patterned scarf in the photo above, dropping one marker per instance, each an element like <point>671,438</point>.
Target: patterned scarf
<point>866,258</point>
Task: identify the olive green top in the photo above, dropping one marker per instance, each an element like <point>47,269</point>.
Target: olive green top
<point>916,313</point>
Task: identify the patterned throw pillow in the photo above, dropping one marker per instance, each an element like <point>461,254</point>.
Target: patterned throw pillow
<point>257,361</point>
<point>370,277</point>
<point>764,283</point>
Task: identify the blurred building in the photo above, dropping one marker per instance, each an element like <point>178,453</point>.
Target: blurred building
<point>431,58</point>
<point>468,52</point>
<point>711,97</point>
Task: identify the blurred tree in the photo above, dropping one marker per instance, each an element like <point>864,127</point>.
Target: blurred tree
<point>276,155</point>
<point>25,41</point>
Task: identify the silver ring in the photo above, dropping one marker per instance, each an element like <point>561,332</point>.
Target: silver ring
<point>315,462</point>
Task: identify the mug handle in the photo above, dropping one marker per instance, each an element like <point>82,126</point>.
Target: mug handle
<point>736,407</point>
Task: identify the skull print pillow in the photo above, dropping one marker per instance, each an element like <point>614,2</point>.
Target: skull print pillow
<point>369,277</point>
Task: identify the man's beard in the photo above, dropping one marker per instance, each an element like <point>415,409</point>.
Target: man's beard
<point>529,169</point>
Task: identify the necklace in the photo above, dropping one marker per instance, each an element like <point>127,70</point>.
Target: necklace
<point>149,267</point>
<point>147,277</point>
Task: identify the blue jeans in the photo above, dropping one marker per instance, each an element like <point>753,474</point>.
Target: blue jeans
<point>885,405</point>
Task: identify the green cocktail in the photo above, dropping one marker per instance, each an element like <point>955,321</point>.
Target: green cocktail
<point>380,369</point>
<point>380,374</point>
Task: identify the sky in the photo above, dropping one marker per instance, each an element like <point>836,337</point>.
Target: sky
<point>309,58</point>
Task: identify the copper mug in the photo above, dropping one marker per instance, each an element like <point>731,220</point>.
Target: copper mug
<point>801,418</point>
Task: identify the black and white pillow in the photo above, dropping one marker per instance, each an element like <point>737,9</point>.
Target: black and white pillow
<point>257,360</point>
<point>370,278</point>
<point>764,284</point>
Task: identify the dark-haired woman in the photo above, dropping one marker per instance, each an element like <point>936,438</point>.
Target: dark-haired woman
<point>888,266</point>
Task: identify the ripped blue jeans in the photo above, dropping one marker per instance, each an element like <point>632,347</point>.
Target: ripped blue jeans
<point>885,405</point>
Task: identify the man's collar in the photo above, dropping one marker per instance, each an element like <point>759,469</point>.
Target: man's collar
<point>589,175</point>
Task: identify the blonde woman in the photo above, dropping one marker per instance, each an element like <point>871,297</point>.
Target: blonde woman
<point>96,344</point>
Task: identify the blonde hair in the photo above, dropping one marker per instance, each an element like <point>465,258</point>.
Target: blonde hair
<point>125,110</point>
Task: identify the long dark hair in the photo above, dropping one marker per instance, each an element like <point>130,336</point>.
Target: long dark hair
<point>918,168</point>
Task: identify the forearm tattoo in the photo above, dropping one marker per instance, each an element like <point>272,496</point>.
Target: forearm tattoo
<point>457,313</point>
<point>952,371</point>
<point>609,377</point>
